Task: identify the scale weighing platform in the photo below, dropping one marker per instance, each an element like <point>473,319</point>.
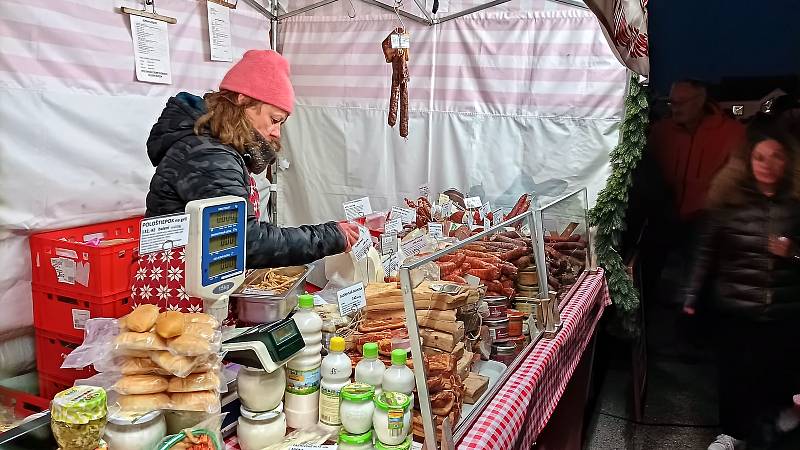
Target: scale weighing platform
<point>215,268</point>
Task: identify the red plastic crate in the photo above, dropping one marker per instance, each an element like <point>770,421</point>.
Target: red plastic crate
<point>64,313</point>
<point>24,403</point>
<point>50,385</point>
<point>51,349</point>
<point>108,267</point>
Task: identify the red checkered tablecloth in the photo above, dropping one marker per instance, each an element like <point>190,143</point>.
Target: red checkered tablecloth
<point>531,394</point>
<point>521,409</point>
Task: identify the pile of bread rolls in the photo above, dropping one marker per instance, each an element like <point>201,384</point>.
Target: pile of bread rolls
<point>167,361</point>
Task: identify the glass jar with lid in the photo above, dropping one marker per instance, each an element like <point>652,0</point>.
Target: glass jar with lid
<point>392,418</point>
<point>257,388</point>
<point>257,430</point>
<point>356,408</point>
<point>135,433</point>
<point>349,441</point>
<point>78,417</point>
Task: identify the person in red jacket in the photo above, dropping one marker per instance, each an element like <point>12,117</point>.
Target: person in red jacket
<point>692,146</point>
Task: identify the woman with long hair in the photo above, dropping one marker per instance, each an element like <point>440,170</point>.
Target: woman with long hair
<point>748,252</point>
<point>209,147</point>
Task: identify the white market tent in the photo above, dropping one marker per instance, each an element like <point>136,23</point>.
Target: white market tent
<point>525,96</point>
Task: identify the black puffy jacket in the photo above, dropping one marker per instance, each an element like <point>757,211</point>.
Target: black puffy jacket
<point>749,282</point>
<point>191,167</point>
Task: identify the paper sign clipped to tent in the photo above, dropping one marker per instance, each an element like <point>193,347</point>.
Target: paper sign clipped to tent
<point>151,50</point>
<point>219,31</point>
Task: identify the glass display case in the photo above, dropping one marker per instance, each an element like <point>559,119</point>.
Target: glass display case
<point>465,342</point>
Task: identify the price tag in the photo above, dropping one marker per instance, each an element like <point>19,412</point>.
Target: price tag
<point>357,208</point>
<point>485,209</point>
<point>406,215</point>
<point>472,202</point>
<point>469,219</point>
<point>393,226</point>
<point>424,190</point>
<point>362,245</point>
<point>443,199</point>
<point>525,230</point>
<point>388,244</point>
<point>486,223</point>
<point>497,217</point>
<point>401,40</point>
<point>447,210</point>
<point>391,263</point>
<point>414,246</point>
<point>436,230</point>
<point>351,299</point>
<point>154,233</point>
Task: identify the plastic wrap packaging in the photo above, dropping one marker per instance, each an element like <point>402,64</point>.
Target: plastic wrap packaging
<point>17,355</point>
<point>204,436</point>
<point>316,435</point>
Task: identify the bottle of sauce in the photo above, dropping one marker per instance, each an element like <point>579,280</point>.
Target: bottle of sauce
<point>301,402</point>
<point>336,370</point>
<point>370,369</point>
<point>398,377</point>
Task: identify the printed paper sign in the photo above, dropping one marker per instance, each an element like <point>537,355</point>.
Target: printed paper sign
<point>391,263</point>
<point>151,50</point>
<point>393,226</point>
<point>219,31</point>
<point>436,230</point>
<point>424,190</point>
<point>351,299</point>
<point>388,244</point>
<point>406,215</point>
<point>65,269</point>
<point>443,199</point>
<point>416,446</point>
<point>485,209</point>
<point>469,219</point>
<point>361,247</point>
<point>357,208</point>
<point>497,217</point>
<point>401,40</point>
<point>414,246</point>
<point>313,447</point>
<point>158,233</point>
<point>525,230</point>
<point>79,318</point>
<point>472,202</point>
<point>486,223</point>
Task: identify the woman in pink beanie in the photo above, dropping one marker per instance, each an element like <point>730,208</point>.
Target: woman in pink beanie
<point>210,147</point>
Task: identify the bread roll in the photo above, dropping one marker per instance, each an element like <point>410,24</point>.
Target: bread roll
<point>136,366</point>
<point>133,353</point>
<point>203,330</point>
<point>174,364</point>
<point>201,318</point>
<point>142,318</point>
<point>139,341</point>
<point>190,345</point>
<point>143,403</point>
<point>141,384</point>
<point>195,401</point>
<point>208,381</point>
<point>170,324</point>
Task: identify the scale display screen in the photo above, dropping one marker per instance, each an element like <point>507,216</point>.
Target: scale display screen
<point>222,242</point>
<point>223,218</point>
<point>221,266</point>
<point>283,333</point>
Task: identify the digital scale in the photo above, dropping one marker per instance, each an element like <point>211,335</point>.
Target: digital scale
<point>215,268</point>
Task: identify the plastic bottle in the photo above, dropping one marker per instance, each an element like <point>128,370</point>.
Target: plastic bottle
<point>370,370</point>
<point>398,377</point>
<point>301,403</point>
<point>336,370</point>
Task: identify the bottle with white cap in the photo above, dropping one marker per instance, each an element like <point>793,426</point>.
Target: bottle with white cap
<point>301,402</point>
<point>336,370</point>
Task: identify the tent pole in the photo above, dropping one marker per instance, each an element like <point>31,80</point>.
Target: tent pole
<point>474,9</point>
<point>306,8</point>
<point>264,11</point>
<point>574,3</point>
<point>401,12</point>
<point>424,12</point>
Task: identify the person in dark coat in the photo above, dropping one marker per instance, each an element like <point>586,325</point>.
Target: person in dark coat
<point>209,147</point>
<point>748,252</point>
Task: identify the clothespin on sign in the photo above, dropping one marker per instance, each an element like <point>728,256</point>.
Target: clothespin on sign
<point>150,15</point>
<point>225,3</point>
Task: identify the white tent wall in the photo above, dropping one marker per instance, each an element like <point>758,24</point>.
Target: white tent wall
<point>73,120</point>
<point>501,102</point>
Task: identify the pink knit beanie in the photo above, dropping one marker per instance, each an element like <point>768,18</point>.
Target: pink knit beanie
<point>262,75</point>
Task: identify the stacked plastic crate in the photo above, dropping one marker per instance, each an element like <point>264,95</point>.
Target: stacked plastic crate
<point>77,274</point>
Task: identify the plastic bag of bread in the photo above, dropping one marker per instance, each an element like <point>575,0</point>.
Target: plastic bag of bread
<point>190,344</point>
<point>170,324</point>
<point>207,401</point>
<point>141,319</point>
<point>203,330</point>
<point>141,384</point>
<point>130,340</point>
<point>143,403</point>
<point>208,381</point>
<point>133,366</point>
<point>181,366</point>
<point>201,318</point>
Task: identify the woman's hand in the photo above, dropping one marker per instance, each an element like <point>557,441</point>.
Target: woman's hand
<point>780,246</point>
<point>351,232</point>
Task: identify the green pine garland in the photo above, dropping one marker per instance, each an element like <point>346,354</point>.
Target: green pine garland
<point>608,213</point>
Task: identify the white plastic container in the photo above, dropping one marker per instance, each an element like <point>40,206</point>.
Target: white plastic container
<point>392,417</point>
<point>370,370</point>
<point>137,433</point>
<point>357,408</point>
<point>259,390</point>
<point>355,441</point>
<point>336,370</point>
<point>301,402</point>
<point>398,377</point>
<point>257,430</point>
